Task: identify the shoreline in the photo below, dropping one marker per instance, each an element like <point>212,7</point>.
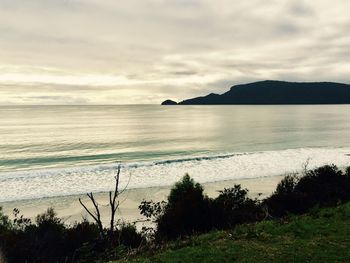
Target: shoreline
<point>69,209</point>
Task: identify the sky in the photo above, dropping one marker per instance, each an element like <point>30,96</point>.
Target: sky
<point>146,51</point>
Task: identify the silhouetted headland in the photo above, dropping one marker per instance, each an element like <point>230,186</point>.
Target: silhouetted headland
<point>277,92</point>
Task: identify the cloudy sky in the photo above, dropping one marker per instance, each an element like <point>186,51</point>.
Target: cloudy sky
<point>145,51</point>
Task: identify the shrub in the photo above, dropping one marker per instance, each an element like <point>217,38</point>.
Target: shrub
<point>78,235</point>
<point>187,211</point>
<point>326,185</point>
<point>186,187</point>
<point>287,184</point>
<point>128,236</point>
<point>280,204</point>
<point>233,206</point>
<point>48,218</point>
<point>323,186</point>
<point>4,221</point>
<point>43,242</point>
<point>232,198</point>
<point>152,210</point>
<point>347,172</point>
<point>20,222</point>
<point>50,240</point>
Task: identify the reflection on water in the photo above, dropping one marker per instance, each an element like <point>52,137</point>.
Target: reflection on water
<point>34,137</point>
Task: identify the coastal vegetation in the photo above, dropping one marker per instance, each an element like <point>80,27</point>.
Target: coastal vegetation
<point>305,219</point>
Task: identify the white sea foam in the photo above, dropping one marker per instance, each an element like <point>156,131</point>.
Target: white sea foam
<point>69,181</point>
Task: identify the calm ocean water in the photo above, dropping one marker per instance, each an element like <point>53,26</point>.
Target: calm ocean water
<point>63,150</point>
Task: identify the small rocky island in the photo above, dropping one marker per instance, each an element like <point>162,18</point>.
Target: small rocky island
<point>169,102</point>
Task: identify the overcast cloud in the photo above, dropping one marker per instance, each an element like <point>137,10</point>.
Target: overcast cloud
<point>120,52</point>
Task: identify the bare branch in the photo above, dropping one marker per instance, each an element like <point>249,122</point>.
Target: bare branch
<point>126,186</point>
<point>97,210</point>
<point>112,202</point>
<point>98,221</point>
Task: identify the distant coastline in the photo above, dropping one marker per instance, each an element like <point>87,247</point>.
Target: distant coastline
<point>272,92</point>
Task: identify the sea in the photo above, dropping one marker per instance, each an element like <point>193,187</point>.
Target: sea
<point>50,151</point>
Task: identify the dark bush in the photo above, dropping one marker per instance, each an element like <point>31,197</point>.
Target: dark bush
<point>49,240</point>
<point>129,237</point>
<point>287,184</point>
<point>233,206</point>
<point>78,235</point>
<point>5,223</point>
<point>281,204</point>
<point>185,188</point>
<point>20,222</point>
<point>111,247</point>
<point>26,242</point>
<point>347,172</point>
<point>188,211</point>
<point>152,210</point>
<point>326,185</point>
<point>323,186</point>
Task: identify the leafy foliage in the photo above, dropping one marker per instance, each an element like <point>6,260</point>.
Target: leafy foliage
<point>4,220</point>
<point>233,206</point>
<point>323,186</point>
<point>129,237</point>
<point>287,184</point>
<point>50,240</point>
<point>152,210</point>
<point>184,188</point>
<point>19,221</point>
<point>187,211</point>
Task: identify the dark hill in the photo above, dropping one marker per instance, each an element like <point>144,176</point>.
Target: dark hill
<point>279,92</point>
<point>169,102</point>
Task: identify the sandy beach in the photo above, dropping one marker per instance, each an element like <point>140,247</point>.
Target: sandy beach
<point>69,209</point>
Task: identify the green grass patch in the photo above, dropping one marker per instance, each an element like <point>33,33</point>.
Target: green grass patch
<point>323,235</point>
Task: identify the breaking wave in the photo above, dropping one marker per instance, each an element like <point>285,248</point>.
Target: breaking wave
<point>34,184</point>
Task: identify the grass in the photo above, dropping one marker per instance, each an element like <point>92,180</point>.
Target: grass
<point>323,235</point>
